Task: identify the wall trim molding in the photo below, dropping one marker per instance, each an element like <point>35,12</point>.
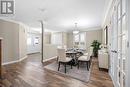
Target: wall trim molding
<point>15,61</point>
<point>86,29</point>
<point>21,59</point>
<point>112,79</point>
<point>13,21</point>
<point>106,13</point>
<point>50,59</point>
<point>11,62</point>
<point>33,53</point>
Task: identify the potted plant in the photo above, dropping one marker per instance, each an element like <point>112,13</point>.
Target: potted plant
<point>96,47</point>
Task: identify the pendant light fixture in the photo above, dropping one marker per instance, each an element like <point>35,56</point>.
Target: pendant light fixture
<point>76,31</point>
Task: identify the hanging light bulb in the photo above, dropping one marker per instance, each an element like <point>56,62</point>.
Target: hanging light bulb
<point>76,29</point>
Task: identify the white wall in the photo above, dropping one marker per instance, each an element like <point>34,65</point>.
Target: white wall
<point>47,38</point>
<point>50,51</point>
<point>93,35</point>
<point>22,41</point>
<point>13,37</point>
<point>107,19</point>
<point>9,33</point>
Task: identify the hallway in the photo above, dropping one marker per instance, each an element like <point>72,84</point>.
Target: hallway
<point>30,73</point>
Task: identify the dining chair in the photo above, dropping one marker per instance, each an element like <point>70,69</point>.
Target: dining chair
<point>87,57</point>
<point>90,51</point>
<point>62,59</point>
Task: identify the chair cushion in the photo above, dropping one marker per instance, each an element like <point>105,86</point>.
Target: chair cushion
<point>84,58</point>
<point>85,54</point>
<point>67,59</point>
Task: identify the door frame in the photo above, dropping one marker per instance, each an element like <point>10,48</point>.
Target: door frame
<point>128,27</point>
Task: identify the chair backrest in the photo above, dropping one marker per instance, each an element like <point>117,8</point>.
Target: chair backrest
<point>61,54</point>
<point>91,51</point>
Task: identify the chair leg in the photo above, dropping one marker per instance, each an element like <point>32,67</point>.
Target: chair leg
<point>59,66</point>
<point>87,66</point>
<point>57,58</point>
<point>71,66</point>
<point>65,67</point>
<point>78,64</point>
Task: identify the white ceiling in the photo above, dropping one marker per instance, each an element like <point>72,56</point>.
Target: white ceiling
<point>61,14</point>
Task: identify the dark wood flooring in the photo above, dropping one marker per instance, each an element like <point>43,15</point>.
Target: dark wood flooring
<point>31,73</point>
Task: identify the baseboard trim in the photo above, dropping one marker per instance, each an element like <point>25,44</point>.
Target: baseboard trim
<point>21,59</point>
<point>49,59</point>
<point>112,79</point>
<point>7,63</point>
<point>16,61</point>
<point>33,53</point>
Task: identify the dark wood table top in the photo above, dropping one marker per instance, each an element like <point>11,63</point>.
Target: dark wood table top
<point>71,52</point>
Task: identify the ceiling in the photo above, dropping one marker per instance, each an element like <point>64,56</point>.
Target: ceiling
<point>61,14</point>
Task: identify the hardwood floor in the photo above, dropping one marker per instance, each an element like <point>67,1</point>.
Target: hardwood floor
<point>0,58</point>
<point>31,73</point>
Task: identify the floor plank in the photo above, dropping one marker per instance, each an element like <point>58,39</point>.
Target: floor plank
<point>31,73</point>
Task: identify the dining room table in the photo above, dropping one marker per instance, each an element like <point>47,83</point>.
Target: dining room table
<point>74,54</point>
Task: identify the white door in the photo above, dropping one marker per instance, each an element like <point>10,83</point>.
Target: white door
<point>119,44</point>
<point>114,44</point>
<point>122,43</point>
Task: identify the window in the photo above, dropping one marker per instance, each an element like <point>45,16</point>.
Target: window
<point>79,40</point>
<point>56,39</point>
<point>76,38</point>
<point>36,40</point>
<point>29,41</point>
<point>82,37</point>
